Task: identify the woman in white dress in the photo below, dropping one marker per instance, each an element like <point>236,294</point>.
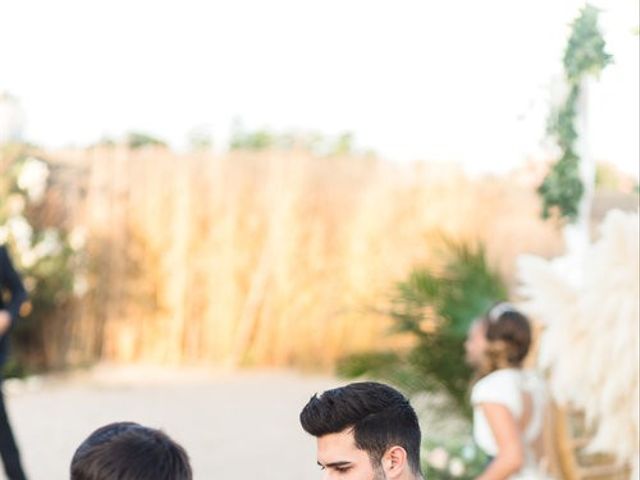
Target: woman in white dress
<point>508,401</point>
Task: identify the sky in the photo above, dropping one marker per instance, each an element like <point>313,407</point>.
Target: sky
<point>449,80</point>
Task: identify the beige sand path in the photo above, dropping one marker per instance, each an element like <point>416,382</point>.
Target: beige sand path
<point>235,426</point>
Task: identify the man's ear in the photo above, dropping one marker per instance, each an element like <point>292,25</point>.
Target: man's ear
<point>395,462</point>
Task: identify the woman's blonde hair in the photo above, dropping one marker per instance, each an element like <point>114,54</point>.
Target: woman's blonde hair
<point>508,334</point>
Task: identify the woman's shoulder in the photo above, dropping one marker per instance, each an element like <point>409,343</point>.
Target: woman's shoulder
<point>496,385</point>
<point>501,376</point>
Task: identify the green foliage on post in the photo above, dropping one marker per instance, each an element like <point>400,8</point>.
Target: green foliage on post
<point>436,308</point>
<point>562,188</point>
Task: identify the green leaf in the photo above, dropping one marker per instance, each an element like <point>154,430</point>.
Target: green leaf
<point>464,288</point>
<point>562,189</point>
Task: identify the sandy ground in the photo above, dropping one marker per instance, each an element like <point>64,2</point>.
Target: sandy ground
<point>234,426</point>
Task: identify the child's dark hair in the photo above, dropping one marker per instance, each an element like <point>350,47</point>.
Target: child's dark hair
<point>129,451</point>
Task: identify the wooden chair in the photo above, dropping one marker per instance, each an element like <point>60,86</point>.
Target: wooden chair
<point>564,448</point>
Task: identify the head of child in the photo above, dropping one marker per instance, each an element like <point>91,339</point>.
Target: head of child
<point>499,339</point>
<point>129,451</point>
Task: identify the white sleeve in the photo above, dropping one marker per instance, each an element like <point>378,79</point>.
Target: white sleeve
<point>497,388</point>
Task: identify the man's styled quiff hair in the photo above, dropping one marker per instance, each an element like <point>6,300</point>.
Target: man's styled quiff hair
<point>379,416</point>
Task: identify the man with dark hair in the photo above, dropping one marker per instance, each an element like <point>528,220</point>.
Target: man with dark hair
<point>364,431</point>
<point>13,291</point>
<point>129,451</point>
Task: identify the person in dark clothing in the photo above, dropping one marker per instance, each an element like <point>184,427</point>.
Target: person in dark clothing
<point>12,296</point>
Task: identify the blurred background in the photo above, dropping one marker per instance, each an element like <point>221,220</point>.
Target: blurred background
<point>215,205</point>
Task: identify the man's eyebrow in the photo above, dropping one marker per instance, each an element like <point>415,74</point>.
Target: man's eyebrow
<point>343,463</point>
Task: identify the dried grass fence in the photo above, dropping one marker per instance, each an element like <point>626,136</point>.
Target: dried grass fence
<point>270,258</point>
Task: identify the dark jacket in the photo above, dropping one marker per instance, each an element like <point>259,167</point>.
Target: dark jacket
<point>12,296</point>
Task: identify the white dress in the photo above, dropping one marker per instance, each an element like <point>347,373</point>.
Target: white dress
<point>508,387</point>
